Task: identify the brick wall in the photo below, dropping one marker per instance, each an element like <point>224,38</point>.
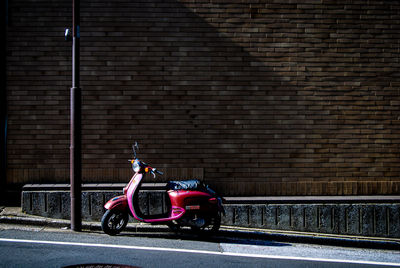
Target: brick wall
<point>263,97</point>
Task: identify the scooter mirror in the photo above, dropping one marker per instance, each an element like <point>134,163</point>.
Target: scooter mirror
<point>135,147</point>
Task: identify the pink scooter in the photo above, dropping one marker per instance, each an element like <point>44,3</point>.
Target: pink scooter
<point>191,203</point>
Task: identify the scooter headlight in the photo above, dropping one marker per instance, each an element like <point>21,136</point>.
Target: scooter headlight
<point>136,165</point>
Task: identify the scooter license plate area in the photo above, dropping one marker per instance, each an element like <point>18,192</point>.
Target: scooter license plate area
<point>193,207</point>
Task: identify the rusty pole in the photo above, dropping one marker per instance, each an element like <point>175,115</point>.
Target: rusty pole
<point>75,145</point>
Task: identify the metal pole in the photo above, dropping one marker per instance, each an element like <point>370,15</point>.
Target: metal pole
<point>75,147</point>
<point>3,110</point>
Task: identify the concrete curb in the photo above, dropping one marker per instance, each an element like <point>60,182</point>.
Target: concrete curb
<point>225,232</point>
<point>314,238</point>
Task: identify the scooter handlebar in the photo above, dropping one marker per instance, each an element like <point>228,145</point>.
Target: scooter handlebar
<point>157,171</point>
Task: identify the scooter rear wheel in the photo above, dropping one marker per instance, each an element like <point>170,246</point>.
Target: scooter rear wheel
<point>212,226</point>
<point>174,227</point>
<point>216,223</point>
<point>114,221</point>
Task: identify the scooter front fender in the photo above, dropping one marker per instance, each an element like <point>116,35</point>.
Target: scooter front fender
<point>118,202</point>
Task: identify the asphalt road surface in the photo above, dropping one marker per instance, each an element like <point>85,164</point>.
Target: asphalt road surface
<point>36,247</point>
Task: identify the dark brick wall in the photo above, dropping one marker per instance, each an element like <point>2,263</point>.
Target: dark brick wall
<point>262,97</point>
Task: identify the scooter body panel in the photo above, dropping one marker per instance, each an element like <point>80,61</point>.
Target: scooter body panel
<point>133,185</point>
<point>176,212</point>
<point>118,202</point>
<point>192,200</point>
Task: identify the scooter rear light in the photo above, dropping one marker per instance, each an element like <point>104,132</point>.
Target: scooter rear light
<point>213,200</point>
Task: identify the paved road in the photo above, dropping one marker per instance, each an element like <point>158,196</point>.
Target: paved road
<point>35,247</point>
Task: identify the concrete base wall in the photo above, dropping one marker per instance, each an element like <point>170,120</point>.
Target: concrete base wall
<point>362,219</point>
<point>379,220</point>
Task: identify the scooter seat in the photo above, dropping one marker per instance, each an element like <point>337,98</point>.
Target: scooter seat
<point>190,185</point>
<point>184,185</point>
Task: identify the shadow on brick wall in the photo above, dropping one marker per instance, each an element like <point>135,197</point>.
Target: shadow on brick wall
<point>282,99</point>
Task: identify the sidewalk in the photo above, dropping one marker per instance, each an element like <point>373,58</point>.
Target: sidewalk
<point>14,215</point>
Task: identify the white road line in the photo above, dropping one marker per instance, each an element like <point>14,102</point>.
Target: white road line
<point>247,255</point>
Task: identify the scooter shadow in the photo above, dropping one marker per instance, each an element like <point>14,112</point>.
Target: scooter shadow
<point>223,236</point>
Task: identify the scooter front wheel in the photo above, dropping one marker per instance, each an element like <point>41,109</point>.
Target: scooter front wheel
<point>114,221</point>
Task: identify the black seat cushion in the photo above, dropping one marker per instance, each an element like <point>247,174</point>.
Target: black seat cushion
<point>184,185</point>
<point>190,185</point>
